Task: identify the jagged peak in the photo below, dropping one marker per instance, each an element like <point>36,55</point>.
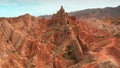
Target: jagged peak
<point>61,14</point>
<point>61,11</point>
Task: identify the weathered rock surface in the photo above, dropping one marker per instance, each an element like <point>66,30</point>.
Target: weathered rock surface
<point>60,42</point>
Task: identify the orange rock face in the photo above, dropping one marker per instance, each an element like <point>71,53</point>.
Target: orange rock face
<point>60,42</point>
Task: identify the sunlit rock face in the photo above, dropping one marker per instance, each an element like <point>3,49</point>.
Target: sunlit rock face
<point>60,42</point>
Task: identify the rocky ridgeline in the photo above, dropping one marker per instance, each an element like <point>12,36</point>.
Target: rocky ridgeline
<point>60,42</point>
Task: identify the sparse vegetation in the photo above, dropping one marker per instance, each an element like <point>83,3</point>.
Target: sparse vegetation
<point>101,36</point>
<point>69,53</point>
<point>90,61</point>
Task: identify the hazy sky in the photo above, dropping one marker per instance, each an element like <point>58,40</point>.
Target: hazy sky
<point>11,8</point>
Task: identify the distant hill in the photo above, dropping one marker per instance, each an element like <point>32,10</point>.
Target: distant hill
<point>99,13</point>
<point>46,16</point>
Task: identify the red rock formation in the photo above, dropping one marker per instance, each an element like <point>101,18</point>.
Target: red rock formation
<point>60,42</point>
